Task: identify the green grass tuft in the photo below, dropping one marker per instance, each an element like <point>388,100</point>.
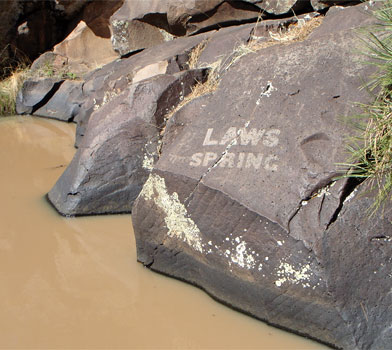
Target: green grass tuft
<point>371,152</point>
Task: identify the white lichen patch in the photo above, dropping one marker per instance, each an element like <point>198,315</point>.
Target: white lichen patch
<point>288,274</point>
<point>350,196</point>
<point>166,35</point>
<point>178,224</point>
<point>325,190</point>
<point>243,257</point>
<point>266,92</point>
<point>148,162</point>
<point>109,95</point>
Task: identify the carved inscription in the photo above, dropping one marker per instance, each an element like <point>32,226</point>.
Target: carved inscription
<point>248,148</point>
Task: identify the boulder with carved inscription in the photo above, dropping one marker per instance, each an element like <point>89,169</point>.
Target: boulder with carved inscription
<point>244,201</point>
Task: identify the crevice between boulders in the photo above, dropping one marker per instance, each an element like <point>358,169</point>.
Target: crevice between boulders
<point>48,96</point>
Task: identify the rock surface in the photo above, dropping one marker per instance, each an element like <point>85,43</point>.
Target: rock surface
<point>89,46</point>
<point>35,93</point>
<point>120,147</point>
<point>100,91</point>
<point>356,253</point>
<point>84,50</point>
<point>139,24</point>
<point>243,203</point>
<point>236,191</point>
<point>103,84</point>
<point>64,104</point>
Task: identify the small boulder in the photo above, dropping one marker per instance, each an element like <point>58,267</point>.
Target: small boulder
<point>35,93</point>
<point>65,104</point>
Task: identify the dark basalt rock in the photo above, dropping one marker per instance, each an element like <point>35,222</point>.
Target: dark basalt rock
<point>65,103</point>
<point>140,24</point>
<point>35,93</point>
<point>322,4</point>
<point>120,147</point>
<point>243,200</point>
<point>356,254</point>
<point>109,81</point>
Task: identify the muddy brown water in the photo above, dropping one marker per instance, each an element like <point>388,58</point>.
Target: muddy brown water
<point>75,283</point>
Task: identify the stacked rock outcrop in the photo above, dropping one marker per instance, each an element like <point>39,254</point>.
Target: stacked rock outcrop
<point>223,138</point>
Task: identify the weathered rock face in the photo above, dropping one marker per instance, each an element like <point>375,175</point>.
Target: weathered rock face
<point>64,104</point>
<point>88,46</point>
<point>356,254</point>
<point>238,190</point>
<point>99,95</point>
<point>85,51</point>
<point>243,203</point>
<point>103,84</point>
<point>144,23</point>
<point>226,43</point>
<point>35,93</point>
<point>120,147</point>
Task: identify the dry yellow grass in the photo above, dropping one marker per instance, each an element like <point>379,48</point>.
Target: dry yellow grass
<point>200,89</point>
<point>196,53</point>
<point>9,88</point>
<point>298,31</point>
<point>295,33</point>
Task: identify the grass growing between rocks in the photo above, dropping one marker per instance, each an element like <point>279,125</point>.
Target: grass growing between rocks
<point>200,89</point>
<point>294,33</point>
<point>13,72</point>
<point>9,88</point>
<point>371,152</point>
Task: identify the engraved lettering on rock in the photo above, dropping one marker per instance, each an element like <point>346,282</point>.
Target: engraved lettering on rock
<point>248,148</point>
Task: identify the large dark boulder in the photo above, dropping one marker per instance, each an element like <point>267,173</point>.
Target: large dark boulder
<point>96,106</point>
<point>356,254</point>
<point>120,147</point>
<point>244,201</point>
